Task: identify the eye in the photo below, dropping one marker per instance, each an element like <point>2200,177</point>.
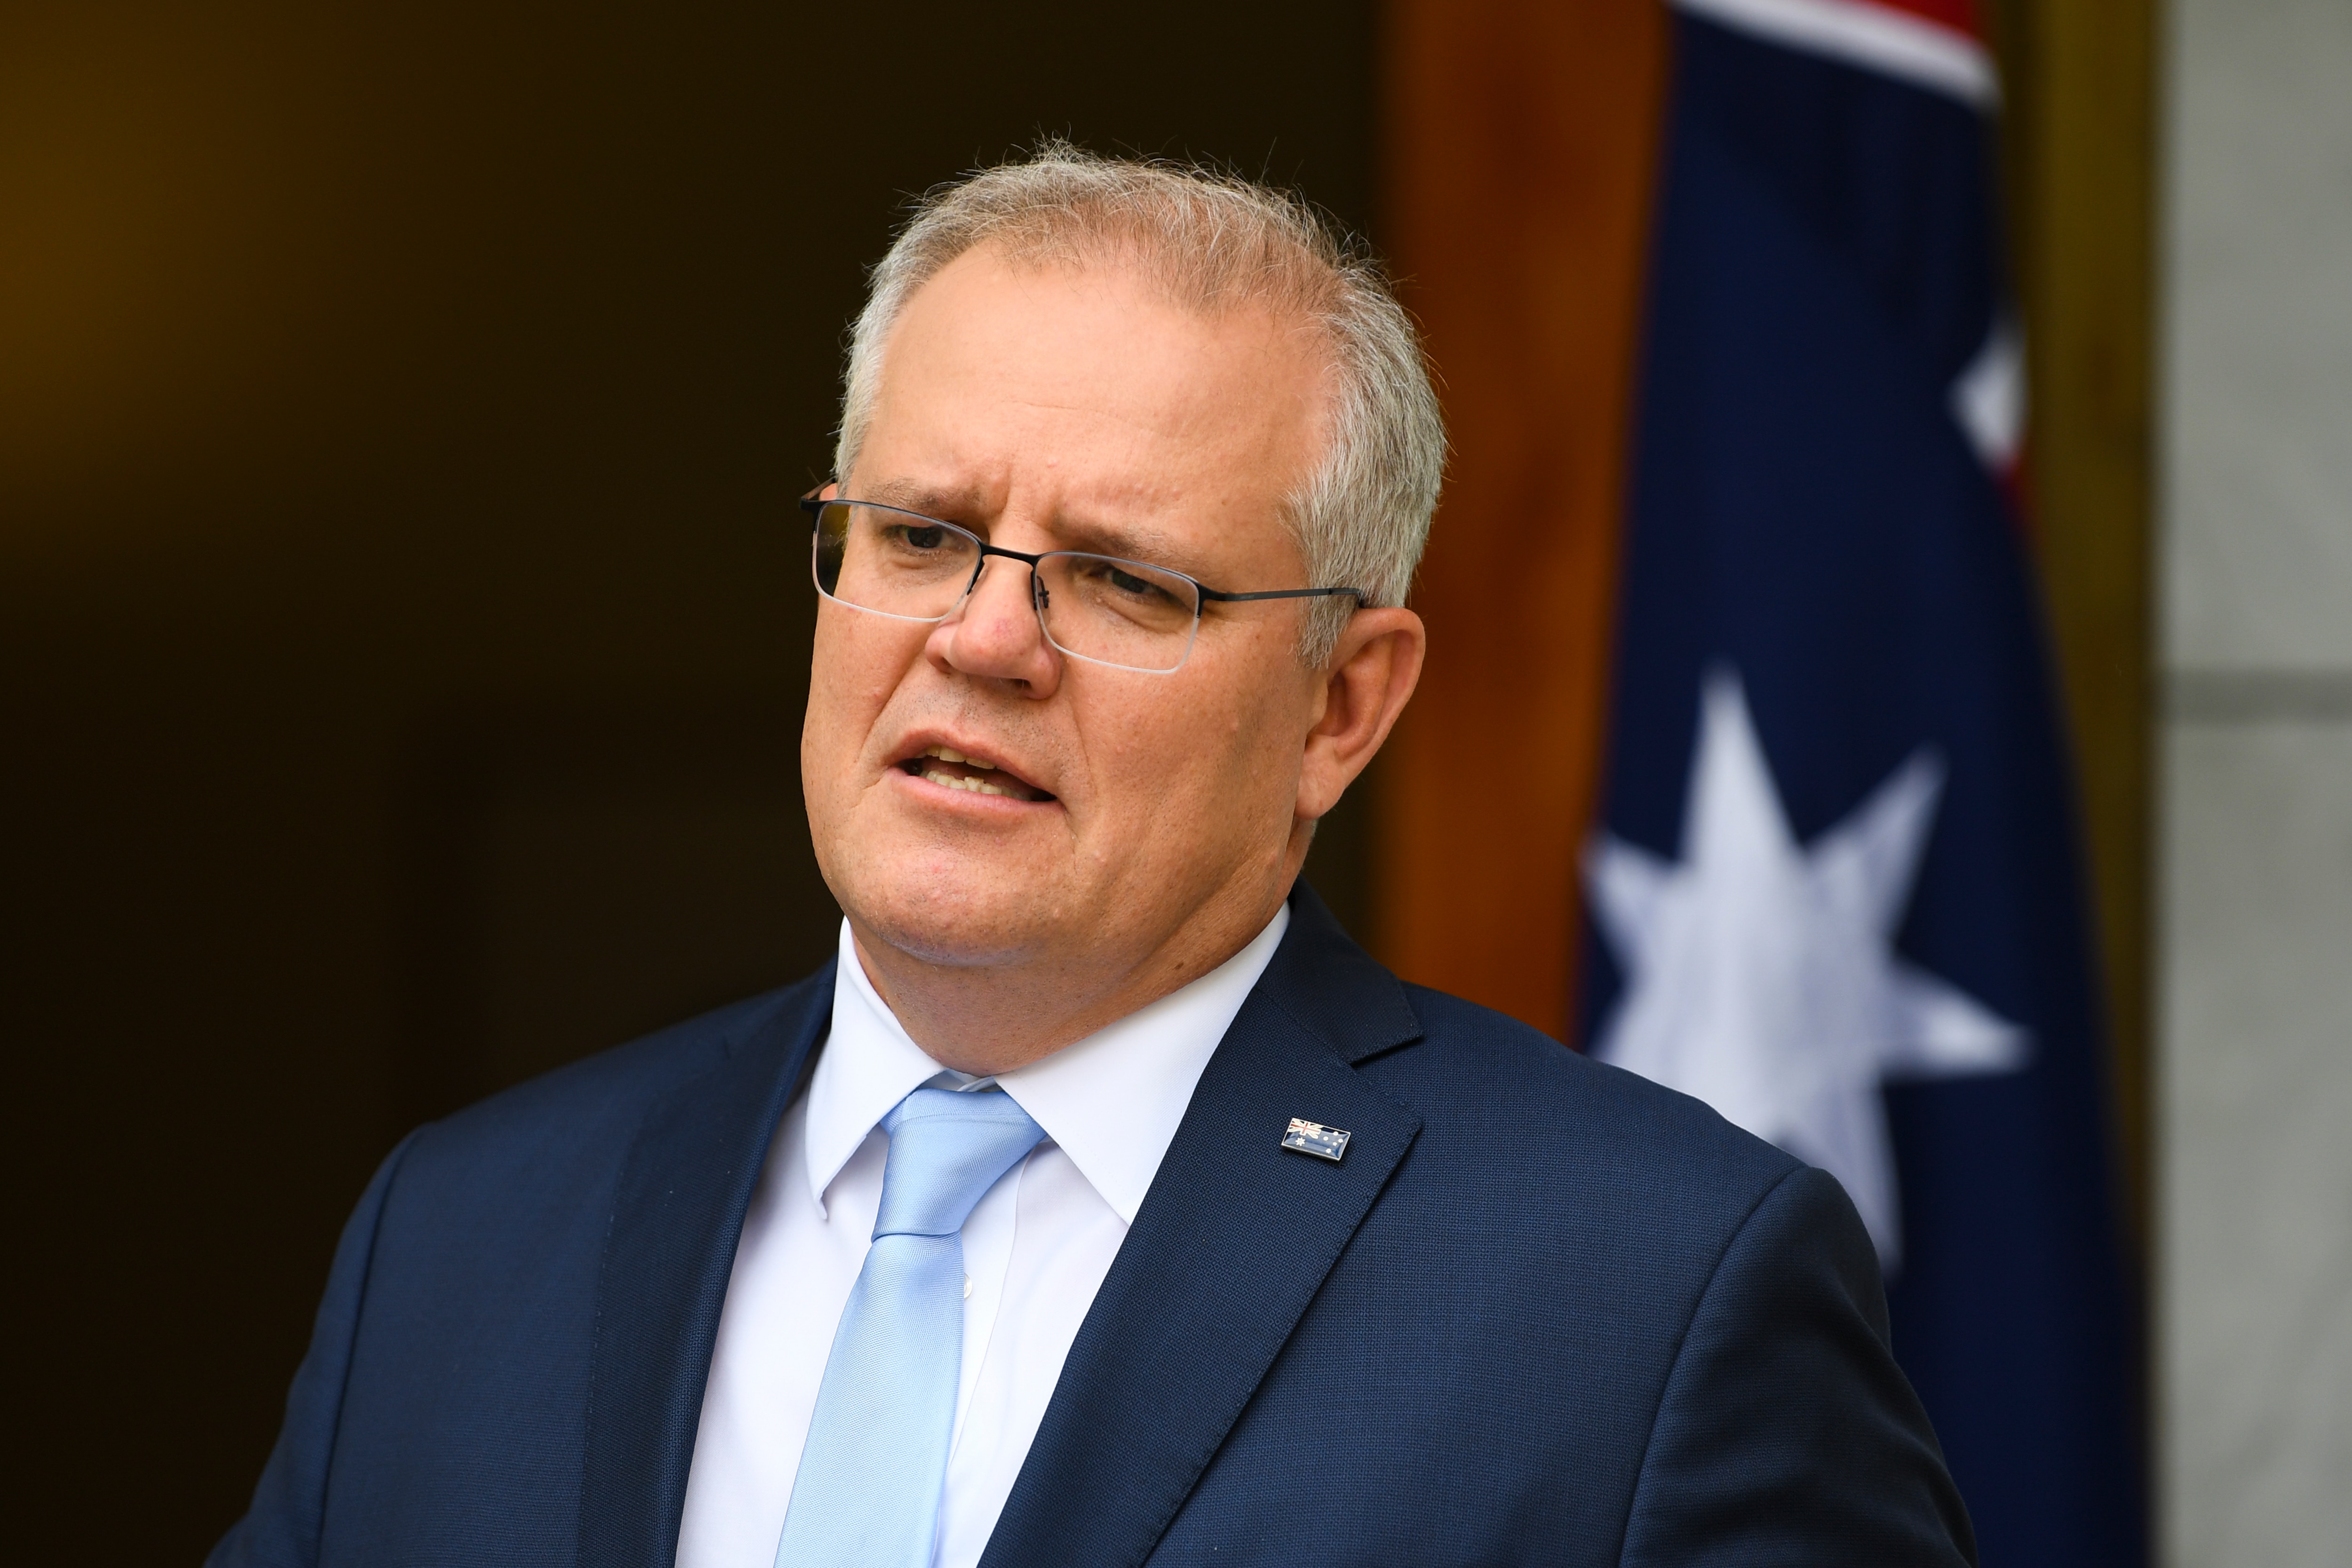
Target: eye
<point>1108,578</point>
<point>923,538</point>
<point>1134,594</point>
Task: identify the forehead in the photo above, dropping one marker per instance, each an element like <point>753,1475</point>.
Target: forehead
<point>1004,383</point>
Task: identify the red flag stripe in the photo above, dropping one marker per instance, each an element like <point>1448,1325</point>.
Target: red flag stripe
<point>1960,15</point>
<point>1931,44</point>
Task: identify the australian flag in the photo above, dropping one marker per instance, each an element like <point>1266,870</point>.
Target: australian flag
<point>1837,891</point>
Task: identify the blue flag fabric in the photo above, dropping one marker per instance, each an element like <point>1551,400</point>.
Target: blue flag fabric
<point>1837,890</point>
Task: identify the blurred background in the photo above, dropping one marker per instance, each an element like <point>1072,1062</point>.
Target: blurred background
<point>403,625</point>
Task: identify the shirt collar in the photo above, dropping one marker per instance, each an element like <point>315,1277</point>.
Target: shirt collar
<point>1111,1100</point>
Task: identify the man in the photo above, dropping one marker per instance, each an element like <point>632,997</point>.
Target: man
<point>1103,1202</point>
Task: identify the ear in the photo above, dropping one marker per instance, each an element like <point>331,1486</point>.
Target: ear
<point>1370,679</point>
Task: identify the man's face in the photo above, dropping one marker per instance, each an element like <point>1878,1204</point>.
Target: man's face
<point>1145,815</point>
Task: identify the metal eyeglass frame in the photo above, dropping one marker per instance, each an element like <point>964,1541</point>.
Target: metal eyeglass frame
<point>814,506</point>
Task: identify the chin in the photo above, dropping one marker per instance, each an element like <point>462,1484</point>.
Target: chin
<point>969,921</point>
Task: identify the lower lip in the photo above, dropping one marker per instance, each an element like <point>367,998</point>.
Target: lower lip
<point>968,800</point>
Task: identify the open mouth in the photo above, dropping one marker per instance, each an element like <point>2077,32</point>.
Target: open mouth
<point>951,768</point>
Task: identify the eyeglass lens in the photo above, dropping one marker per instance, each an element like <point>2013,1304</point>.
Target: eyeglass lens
<point>1096,607</point>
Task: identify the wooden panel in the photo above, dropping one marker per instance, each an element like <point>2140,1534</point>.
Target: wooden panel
<point>2081,165</point>
<point>1520,142</point>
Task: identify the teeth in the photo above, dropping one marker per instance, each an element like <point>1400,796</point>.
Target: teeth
<point>977,786</point>
<point>950,755</point>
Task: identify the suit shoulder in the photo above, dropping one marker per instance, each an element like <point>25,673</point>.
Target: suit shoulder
<point>1477,1072</point>
<point>614,1088</point>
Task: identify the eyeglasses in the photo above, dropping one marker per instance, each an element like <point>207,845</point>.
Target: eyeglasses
<point>1128,614</point>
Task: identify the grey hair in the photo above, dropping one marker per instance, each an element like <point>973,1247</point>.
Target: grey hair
<point>1212,240</point>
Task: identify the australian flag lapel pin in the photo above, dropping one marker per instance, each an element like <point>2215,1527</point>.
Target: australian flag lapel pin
<point>1314,1138</point>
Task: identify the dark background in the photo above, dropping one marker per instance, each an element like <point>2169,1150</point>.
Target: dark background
<point>402,623</point>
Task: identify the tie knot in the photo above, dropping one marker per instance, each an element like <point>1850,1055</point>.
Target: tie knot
<point>947,1149</point>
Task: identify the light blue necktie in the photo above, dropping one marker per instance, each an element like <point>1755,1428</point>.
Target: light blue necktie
<point>867,1494</point>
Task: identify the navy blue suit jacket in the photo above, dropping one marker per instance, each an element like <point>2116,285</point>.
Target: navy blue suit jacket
<point>1544,1311</point>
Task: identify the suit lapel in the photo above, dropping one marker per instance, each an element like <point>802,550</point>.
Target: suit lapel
<point>678,1216</point>
<point>1231,1243</point>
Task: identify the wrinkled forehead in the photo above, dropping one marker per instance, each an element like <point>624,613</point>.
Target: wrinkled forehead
<point>1090,384</point>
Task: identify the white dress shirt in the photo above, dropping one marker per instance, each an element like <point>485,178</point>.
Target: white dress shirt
<point>1036,1250</point>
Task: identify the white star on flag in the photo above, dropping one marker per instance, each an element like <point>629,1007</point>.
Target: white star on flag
<point>1762,976</point>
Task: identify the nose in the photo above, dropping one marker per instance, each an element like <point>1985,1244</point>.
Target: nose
<point>994,633</point>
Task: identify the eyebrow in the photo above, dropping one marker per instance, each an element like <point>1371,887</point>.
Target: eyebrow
<point>912,495</point>
<point>1130,543</point>
<point>962,507</point>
